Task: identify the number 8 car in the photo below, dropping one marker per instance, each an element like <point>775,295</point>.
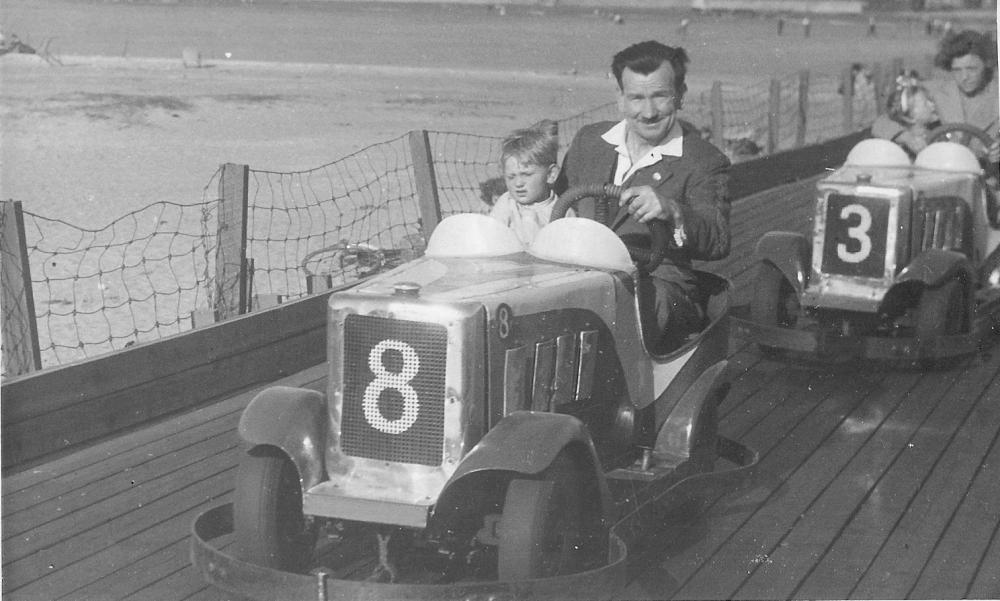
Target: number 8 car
<point>489,408</point>
<point>903,262</point>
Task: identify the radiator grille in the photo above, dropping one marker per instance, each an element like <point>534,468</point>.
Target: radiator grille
<point>940,223</point>
<point>394,375</point>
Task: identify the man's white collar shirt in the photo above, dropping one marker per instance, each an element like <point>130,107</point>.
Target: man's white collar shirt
<point>672,146</point>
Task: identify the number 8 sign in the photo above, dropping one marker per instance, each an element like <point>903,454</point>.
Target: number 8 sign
<point>393,396</point>
<point>856,232</point>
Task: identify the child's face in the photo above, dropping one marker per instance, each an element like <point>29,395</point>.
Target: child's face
<point>923,110</point>
<point>528,183</point>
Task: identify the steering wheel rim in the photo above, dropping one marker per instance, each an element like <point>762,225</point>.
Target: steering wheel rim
<point>969,132</point>
<point>646,259</point>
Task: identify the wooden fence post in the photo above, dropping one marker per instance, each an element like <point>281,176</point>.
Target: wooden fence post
<point>426,180</point>
<point>21,354</point>
<point>774,117</point>
<point>803,109</point>
<point>847,96</point>
<point>879,79</point>
<point>230,259</point>
<point>718,116</point>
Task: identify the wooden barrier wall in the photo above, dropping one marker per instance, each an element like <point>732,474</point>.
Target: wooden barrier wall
<point>53,410</point>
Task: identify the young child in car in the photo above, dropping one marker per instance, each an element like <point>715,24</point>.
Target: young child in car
<point>529,161</point>
<point>910,105</point>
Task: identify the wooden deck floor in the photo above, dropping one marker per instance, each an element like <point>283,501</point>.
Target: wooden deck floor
<point>873,483</point>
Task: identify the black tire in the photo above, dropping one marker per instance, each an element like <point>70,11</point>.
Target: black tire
<point>941,311</point>
<point>545,530</point>
<point>270,527</point>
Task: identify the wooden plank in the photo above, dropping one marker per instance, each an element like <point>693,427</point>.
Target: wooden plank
<point>68,512</point>
<point>79,561</point>
<point>956,561</point>
<point>139,460</point>
<point>872,440</point>
<point>109,523</point>
<point>789,435</point>
<point>761,420</point>
<point>142,576</point>
<point>114,455</point>
<point>872,525</point>
<point>64,487</point>
<point>987,582</point>
<point>899,562</point>
<point>55,409</point>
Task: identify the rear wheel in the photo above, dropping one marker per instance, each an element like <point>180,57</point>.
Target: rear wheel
<point>941,311</point>
<point>545,530</point>
<point>774,301</point>
<point>271,529</point>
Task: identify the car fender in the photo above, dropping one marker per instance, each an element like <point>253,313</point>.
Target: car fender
<point>527,442</point>
<point>693,418</point>
<point>935,266</point>
<point>790,252</point>
<point>292,419</point>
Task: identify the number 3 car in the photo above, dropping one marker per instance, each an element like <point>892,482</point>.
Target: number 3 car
<point>490,409</point>
<point>903,263</point>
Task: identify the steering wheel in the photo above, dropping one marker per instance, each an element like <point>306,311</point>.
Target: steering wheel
<point>959,132</point>
<point>647,259</point>
<point>965,134</point>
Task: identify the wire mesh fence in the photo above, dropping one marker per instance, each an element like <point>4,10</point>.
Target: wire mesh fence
<point>149,273</point>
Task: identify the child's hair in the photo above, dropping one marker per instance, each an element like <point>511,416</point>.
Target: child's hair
<point>536,145</point>
<point>900,102</point>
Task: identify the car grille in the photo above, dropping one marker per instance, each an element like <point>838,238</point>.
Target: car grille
<point>394,378</point>
<point>940,223</point>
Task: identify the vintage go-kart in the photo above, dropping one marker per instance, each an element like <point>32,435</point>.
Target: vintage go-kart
<point>493,426</point>
<point>904,261</point>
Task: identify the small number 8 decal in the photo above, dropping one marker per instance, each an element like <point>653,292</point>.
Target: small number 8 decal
<point>504,318</point>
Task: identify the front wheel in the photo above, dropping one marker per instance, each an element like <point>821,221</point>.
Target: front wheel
<point>544,530</point>
<point>271,529</point>
<point>941,311</point>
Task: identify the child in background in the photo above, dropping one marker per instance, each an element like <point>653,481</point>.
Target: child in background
<point>529,161</point>
<point>910,106</point>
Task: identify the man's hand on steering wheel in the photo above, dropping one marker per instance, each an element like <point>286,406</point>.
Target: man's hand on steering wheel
<point>644,205</point>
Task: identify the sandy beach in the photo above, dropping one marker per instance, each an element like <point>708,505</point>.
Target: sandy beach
<point>122,123</point>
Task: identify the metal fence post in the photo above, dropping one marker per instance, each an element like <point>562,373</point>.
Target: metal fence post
<point>230,259</point>
<point>426,181</point>
<point>21,353</point>
<point>803,109</point>
<point>774,117</point>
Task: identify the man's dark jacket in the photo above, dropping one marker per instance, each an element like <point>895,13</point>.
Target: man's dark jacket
<point>697,181</point>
